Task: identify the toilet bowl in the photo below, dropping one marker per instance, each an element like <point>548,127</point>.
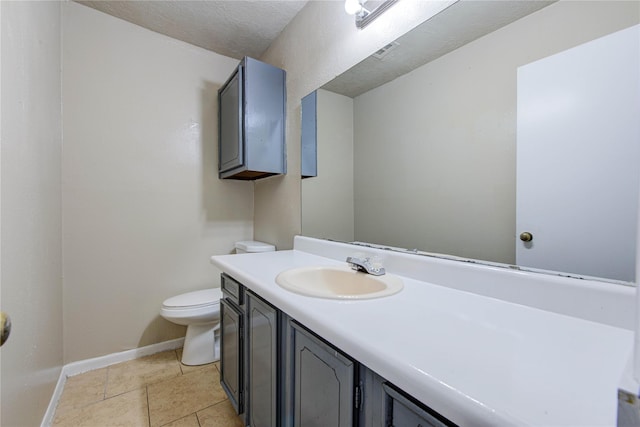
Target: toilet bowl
<point>199,311</point>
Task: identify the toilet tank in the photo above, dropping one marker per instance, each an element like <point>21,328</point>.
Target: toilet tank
<point>252,246</point>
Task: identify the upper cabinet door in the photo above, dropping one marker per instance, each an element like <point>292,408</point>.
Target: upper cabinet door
<point>231,146</point>
<point>251,125</point>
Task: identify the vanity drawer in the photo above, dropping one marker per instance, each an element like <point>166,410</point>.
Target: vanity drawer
<point>232,290</point>
<point>403,411</point>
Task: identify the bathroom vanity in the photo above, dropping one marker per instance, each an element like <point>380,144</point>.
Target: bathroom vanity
<point>461,344</point>
<point>277,372</point>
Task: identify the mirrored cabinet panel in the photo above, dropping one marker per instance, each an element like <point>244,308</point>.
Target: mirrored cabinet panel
<point>309,131</point>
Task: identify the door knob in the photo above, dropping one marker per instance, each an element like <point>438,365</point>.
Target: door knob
<point>526,236</point>
<point>5,327</point>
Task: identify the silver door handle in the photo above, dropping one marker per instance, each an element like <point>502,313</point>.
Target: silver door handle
<point>5,327</point>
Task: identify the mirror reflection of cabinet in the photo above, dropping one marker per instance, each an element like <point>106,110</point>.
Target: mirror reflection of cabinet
<point>309,133</point>
<point>251,119</point>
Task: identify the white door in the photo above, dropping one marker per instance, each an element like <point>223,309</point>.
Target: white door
<point>578,158</point>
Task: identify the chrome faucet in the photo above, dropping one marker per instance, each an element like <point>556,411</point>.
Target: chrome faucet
<point>366,265</point>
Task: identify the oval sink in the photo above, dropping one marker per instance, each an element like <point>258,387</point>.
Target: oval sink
<point>338,283</point>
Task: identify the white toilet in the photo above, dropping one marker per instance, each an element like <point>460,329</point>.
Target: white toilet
<point>199,311</point>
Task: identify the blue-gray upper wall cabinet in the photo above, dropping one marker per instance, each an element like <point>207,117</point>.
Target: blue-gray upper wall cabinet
<point>309,132</point>
<point>251,122</point>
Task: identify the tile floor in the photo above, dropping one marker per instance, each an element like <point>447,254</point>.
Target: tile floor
<point>152,391</point>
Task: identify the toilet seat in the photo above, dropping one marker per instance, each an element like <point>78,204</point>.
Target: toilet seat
<point>199,311</point>
<point>192,300</point>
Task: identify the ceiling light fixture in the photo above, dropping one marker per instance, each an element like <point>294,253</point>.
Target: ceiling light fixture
<point>363,16</point>
<point>353,7</point>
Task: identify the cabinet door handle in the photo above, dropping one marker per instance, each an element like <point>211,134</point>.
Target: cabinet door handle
<point>526,236</point>
<point>5,327</point>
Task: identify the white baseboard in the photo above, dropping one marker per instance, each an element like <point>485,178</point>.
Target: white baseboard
<point>53,403</point>
<point>81,366</point>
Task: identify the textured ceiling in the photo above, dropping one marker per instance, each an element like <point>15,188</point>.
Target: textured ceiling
<point>232,28</point>
<point>238,28</point>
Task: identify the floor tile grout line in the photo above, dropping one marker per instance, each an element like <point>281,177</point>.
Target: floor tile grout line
<point>179,361</point>
<point>106,383</point>
<point>111,374</point>
<point>146,389</point>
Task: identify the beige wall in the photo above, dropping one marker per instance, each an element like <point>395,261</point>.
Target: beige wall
<point>435,149</point>
<point>320,43</point>
<point>139,209</point>
<point>327,199</point>
<point>143,209</point>
<point>31,258</point>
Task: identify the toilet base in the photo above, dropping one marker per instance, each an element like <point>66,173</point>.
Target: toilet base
<point>201,344</point>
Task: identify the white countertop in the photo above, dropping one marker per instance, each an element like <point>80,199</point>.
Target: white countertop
<point>477,360</point>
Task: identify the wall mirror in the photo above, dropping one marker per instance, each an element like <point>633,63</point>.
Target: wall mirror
<point>417,144</point>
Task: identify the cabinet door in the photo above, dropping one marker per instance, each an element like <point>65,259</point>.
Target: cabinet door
<point>231,154</point>
<point>231,354</point>
<point>401,411</point>
<point>262,384</point>
<point>372,412</point>
<point>323,383</point>
<point>264,117</point>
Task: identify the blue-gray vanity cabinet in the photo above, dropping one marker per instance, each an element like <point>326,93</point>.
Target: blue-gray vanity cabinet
<point>323,382</point>
<point>251,122</point>
<point>385,405</point>
<point>249,350</point>
<point>309,135</point>
<point>262,362</point>
<point>278,373</point>
<point>402,411</point>
<point>232,342</point>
